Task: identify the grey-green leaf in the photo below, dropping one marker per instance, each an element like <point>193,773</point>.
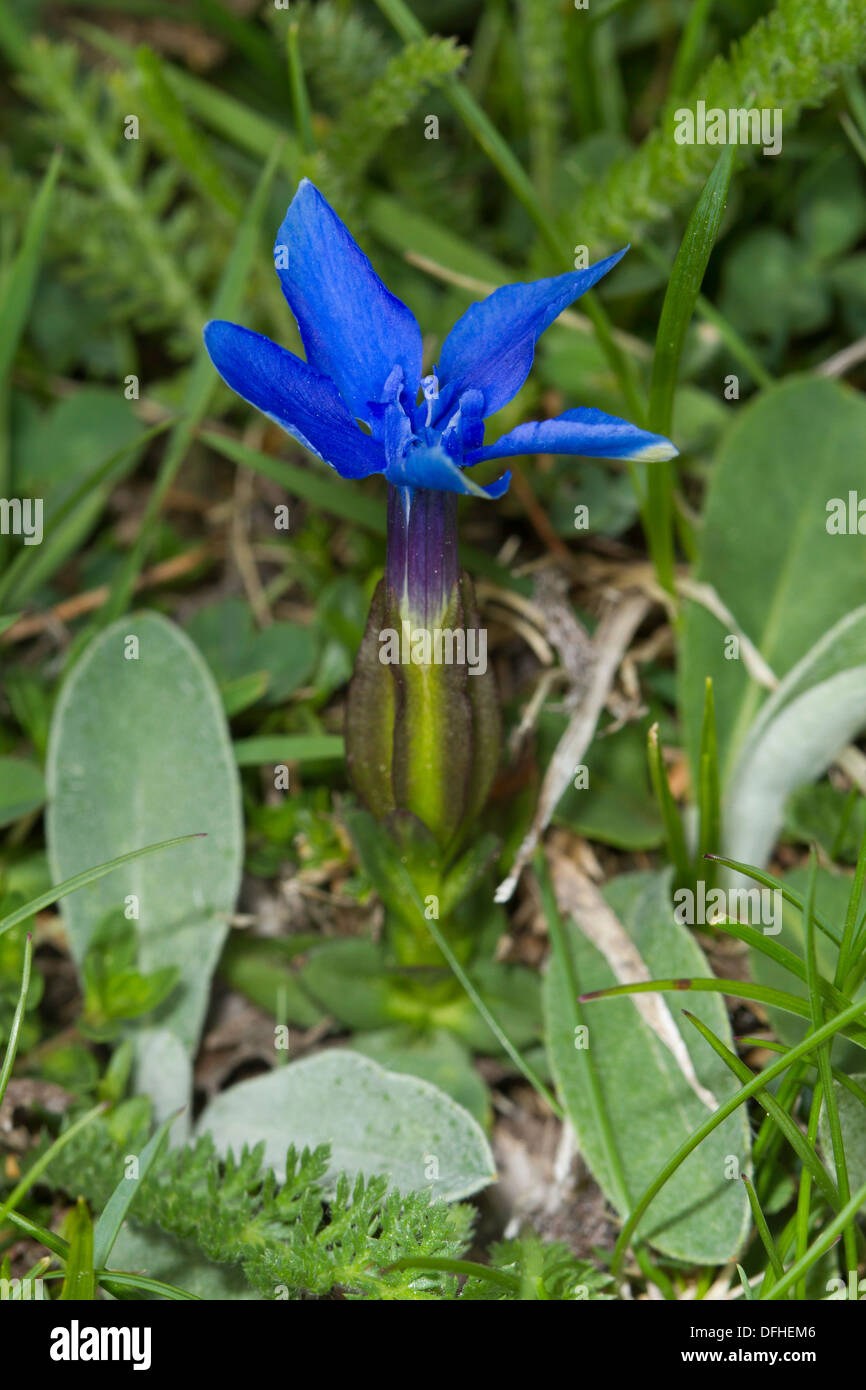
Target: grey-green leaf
<point>785,578</point>
<point>139,750</point>
<point>816,710</point>
<point>376,1122</point>
<point>651,1109</point>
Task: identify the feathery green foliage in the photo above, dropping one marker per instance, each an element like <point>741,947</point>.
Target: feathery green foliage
<point>131,238</point>
<point>292,1234</point>
<point>792,58</point>
<point>388,102</point>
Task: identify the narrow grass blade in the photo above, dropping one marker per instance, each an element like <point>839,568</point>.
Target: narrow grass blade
<point>802,1049</point>
<point>298,84</point>
<point>121,1284</point>
<point>677,310</point>
<point>769,881</point>
<point>774,950</point>
<point>688,55</point>
<point>20,281</point>
<point>53,1242</point>
<point>289,748</point>
<point>741,989</point>
<point>34,1173</point>
<point>19,285</point>
<point>187,147</point>
<point>200,387</point>
<point>674,836</point>
<point>763,1230</point>
<point>824,1069</point>
<point>709,793</point>
<point>325,490</point>
<point>69,885</point>
<point>114,1212</point>
<point>79,1285</point>
<point>845,961</point>
<point>820,1245</point>
<point>17,1019</point>
<point>794,1136</point>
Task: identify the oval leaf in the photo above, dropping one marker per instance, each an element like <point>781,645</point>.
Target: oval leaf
<point>651,1108</point>
<point>139,751</point>
<point>376,1122</point>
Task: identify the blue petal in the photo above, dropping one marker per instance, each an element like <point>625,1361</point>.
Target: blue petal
<point>589,433</point>
<point>429,466</point>
<point>306,405</point>
<point>353,329</point>
<point>490,349</point>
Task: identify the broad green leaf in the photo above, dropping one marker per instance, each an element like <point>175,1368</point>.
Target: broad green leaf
<point>436,1056</point>
<point>139,746</point>
<point>349,979</point>
<point>22,789</point>
<point>261,969</point>
<point>234,648</point>
<point>178,1262</point>
<point>377,1123</point>
<point>824,815</point>
<point>162,1074</point>
<point>651,1109</point>
<point>818,708</point>
<point>784,578</point>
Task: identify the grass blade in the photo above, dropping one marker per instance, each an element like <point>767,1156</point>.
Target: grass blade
<point>677,310</point>
<point>114,1212</point>
<point>200,387</point>
<point>709,793</point>
<point>79,1284</point>
<point>676,841</point>
<point>34,1173</point>
<point>289,748</point>
<point>820,1245</point>
<point>763,1230</point>
<point>17,1019</point>
<point>69,885</point>
<point>794,1136</point>
<point>760,1082</point>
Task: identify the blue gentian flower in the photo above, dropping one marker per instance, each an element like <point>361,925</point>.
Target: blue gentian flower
<point>422,736</point>
<point>360,401</point>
